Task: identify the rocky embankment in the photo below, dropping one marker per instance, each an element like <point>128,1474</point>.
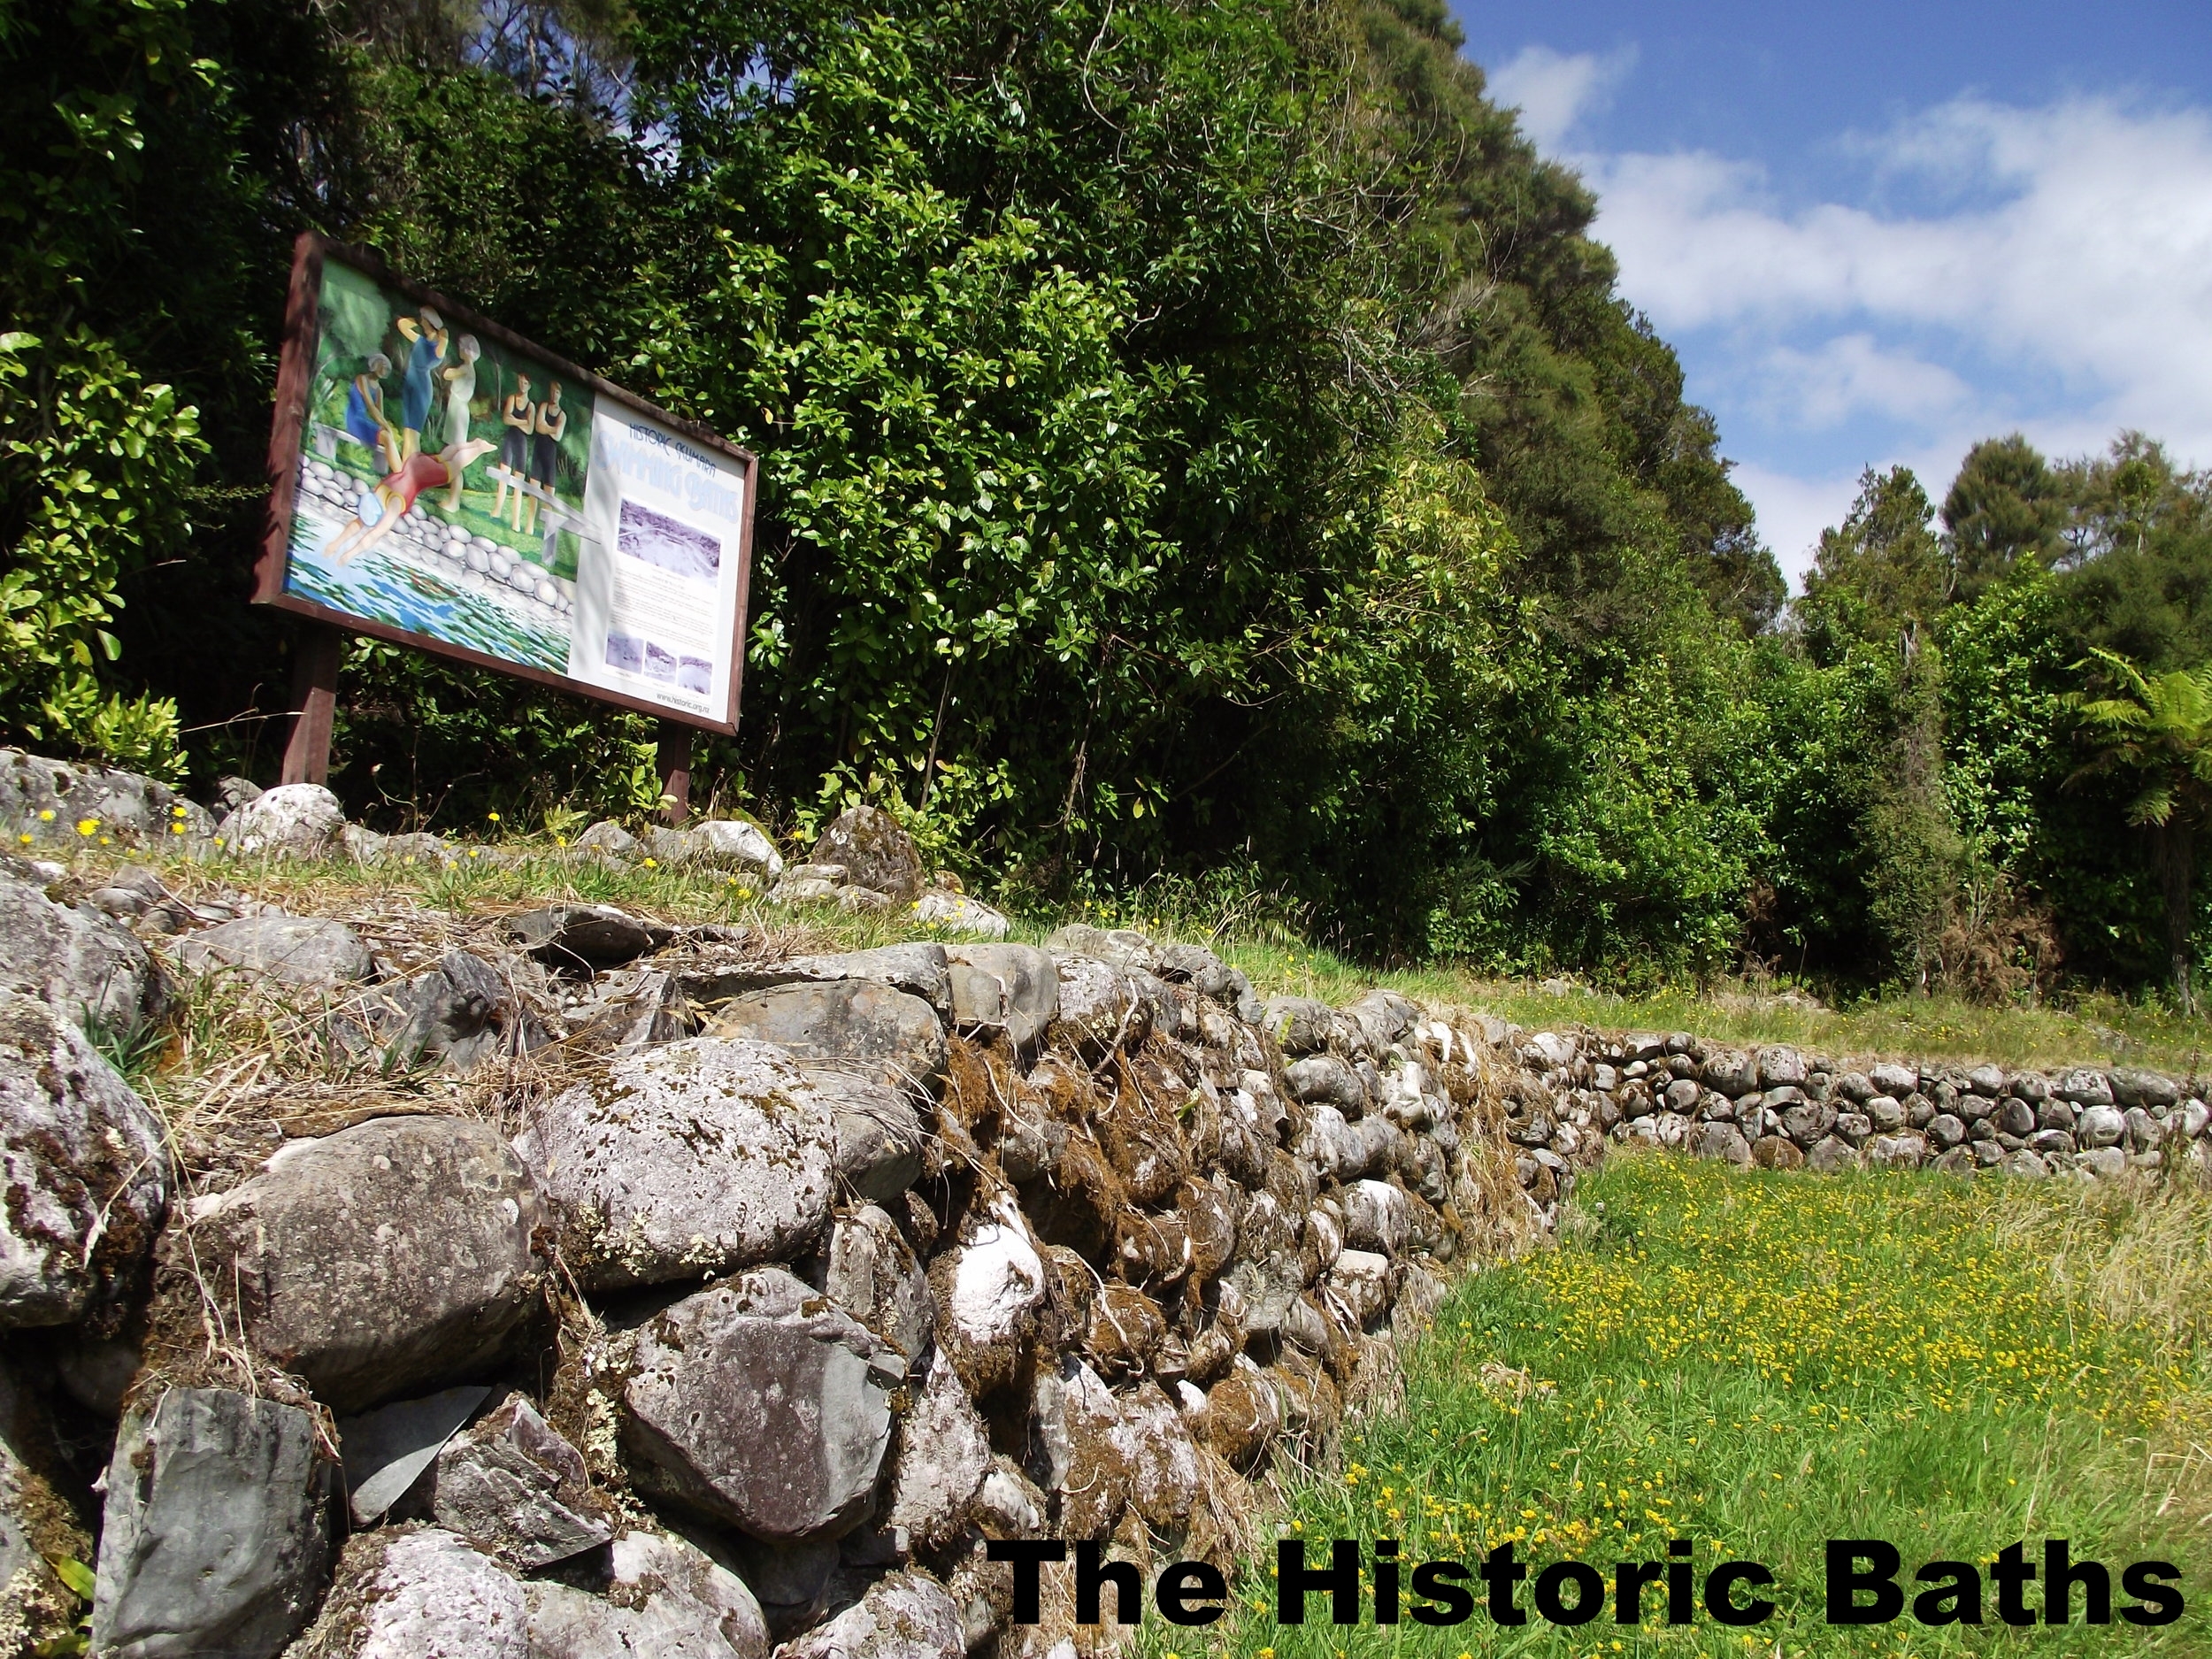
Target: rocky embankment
<point>570,1283</point>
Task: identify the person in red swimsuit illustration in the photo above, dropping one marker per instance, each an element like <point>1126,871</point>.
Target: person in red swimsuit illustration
<point>382,509</point>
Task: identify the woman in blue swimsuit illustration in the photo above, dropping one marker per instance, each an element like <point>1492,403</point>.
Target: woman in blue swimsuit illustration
<point>425,330</point>
<point>365,421</point>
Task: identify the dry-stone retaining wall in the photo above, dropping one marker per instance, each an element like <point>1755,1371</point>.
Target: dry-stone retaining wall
<point>756,1294</point>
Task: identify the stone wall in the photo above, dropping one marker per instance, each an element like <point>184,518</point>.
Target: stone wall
<point>665,1292</point>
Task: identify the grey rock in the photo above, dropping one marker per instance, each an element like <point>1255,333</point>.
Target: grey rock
<point>1362,1283</point>
<point>2013,1117</point>
<point>1333,1146</point>
<point>215,1538</point>
<point>513,1486</point>
<point>1197,967</point>
<point>907,1615</point>
<point>1326,1080</point>
<point>422,1594</point>
<point>391,1255</point>
<point>1731,1072</point>
<point>2144,1088</point>
<point>388,1450</point>
<point>1385,1015</point>
<point>990,1290</point>
<point>879,1136</point>
<point>1014,988</point>
<point>293,820</point>
<point>633,1007</point>
<point>2194,1118</point>
<point>2026,1164</point>
<point>457,1015</point>
<point>84,1173</point>
<point>2084,1087</point>
<point>737,844</point>
<point>1302,1026</point>
<point>2049,1140</point>
<point>89,967</point>
<point>871,1272</point>
<point>580,938</point>
<point>1682,1096</point>
<point>876,853</point>
<point>1124,948</point>
<point>957,913</point>
<point>2031,1087</point>
<point>2145,1132</point>
<point>696,1157</point>
<point>1805,1125</point>
<point>1854,1126</point>
<point>297,949</point>
<point>1896,1152</point>
<point>756,1404</point>
<point>2098,1127</point>
<point>854,1025</point>
<point>1987,1079</point>
<point>1101,1005</point>
<point>1724,1142</point>
<point>1887,1115</point>
<point>664,1597</point>
<point>919,969</point>
<point>1377,1218</point>
<point>2104,1162</point>
<point>2055,1114</point>
<point>610,840</point>
<point>1781,1066</point>
<point>1830,1154</point>
<point>944,1454</point>
<point>47,799</point>
<point>1947,1129</point>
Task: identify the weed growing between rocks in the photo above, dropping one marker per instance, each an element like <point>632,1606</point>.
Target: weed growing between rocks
<point>1760,1361</point>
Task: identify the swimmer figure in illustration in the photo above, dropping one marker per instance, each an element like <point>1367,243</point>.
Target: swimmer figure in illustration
<point>519,416</point>
<point>545,451</point>
<point>425,332</point>
<point>366,423</point>
<point>382,508</point>
<point>460,392</point>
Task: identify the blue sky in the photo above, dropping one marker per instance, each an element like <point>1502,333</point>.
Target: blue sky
<point>1876,232</point>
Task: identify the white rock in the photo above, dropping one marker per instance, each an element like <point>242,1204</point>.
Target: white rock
<point>293,820</point>
<point>666,1598</point>
<point>907,1616</point>
<point>735,844</point>
<point>998,1279</point>
<point>433,1597</point>
<point>944,1454</point>
<point>957,912</point>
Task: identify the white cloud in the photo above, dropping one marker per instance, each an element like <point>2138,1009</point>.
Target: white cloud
<point>1852,375</point>
<point>1792,512</point>
<point>1554,91</point>
<point>2068,296</point>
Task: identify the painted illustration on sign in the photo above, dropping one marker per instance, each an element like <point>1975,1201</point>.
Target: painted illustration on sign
<point>456,488</point>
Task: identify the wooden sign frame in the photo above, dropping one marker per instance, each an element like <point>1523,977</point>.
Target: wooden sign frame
<point>294,378</point>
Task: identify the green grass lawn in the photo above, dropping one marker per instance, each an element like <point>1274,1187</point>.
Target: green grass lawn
<point>1758,1362</point>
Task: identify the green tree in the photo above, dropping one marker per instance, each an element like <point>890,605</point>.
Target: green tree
<point>2156,731</point>
<point>2003,506</point>
<point>1882,574</point>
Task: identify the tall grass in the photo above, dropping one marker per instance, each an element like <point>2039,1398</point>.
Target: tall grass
<point>1758,1362</point>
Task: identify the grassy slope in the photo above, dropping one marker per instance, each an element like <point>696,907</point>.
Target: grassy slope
<point>1760,1362</point>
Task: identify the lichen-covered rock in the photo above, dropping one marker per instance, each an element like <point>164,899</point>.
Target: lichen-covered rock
<point>513,1486</point>
<point>1077,1452</point>
<point>1014,988</point>
<point>944,1454</point>
<point>418,1593</point>
<point>907,1615</point>
<point>88,967</point>
<point>990,1289</point>
<point>738,844</point>
<point>1239,1416</point>
<point>957,913</point>
<point>216,1538</point>
<point>1099,1005</point>
<point>871,1272</point>
<point>300,950</point>
<point>293,820</point>
<point>661,1597</point>
<point>878,1134</point>
<point>696,1157</point>
<point>84,1171</point>
<point>392,1255</point>
<point>1162,1460</point>
<point>1378,1216</point>
<point>876,853</point>
<point>758,1404</point>
<point>48,799</point>
<point>854,1025</point>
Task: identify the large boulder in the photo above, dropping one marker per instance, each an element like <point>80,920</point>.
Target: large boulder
<point>419,1593</point>
<point>757,1404</point>
<point>663,1597</point>
<point>89,967</point>
<point>391,1255</point>
<point>300,950</point>
<point>907,1615</point>
<point>697,1157</point>
<point>854,1025</point>
<point>1013,988</point>
<point>216,1538</point>
<point>293,820</point>
<point>875,852</point>
<point>84,1171</point>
